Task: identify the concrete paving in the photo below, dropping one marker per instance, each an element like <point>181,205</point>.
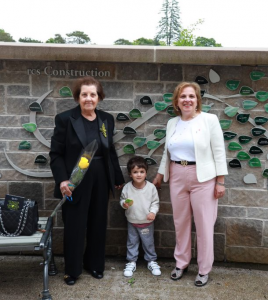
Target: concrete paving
<point>21,278</point>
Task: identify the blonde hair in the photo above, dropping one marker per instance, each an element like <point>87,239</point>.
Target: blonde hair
<point>177,92</point>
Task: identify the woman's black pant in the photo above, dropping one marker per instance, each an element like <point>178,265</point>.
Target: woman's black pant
<point>87,217</point>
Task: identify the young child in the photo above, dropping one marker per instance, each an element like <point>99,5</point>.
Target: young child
<point>140,213</point>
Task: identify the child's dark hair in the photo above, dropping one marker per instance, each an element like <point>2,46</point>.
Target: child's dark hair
<point>137,161</point>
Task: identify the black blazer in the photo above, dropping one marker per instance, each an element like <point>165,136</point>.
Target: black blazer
<point>69,139</point>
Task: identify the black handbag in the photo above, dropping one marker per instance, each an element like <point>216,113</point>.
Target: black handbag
<point>17,222</point>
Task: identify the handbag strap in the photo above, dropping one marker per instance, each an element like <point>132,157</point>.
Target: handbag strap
<point>21,223</point>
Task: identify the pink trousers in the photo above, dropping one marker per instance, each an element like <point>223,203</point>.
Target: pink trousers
<point>190,197</point>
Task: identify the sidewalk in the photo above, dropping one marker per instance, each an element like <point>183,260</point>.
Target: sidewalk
<point>21,277</point>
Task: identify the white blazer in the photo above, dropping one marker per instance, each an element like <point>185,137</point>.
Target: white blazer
<point>208,144</point>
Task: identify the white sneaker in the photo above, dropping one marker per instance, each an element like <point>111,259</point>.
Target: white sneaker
<point>130,268</point>
<point>154,268</point>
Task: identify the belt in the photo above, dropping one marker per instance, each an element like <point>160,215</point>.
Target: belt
<point>97,157</point>
<point>184,162</point>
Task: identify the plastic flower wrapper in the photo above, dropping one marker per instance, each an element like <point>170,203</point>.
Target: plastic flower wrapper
<point>79,171</point>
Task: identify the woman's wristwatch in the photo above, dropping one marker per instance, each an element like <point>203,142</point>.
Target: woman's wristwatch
<point>220,183</point>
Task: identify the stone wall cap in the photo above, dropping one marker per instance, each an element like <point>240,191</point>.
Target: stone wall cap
<point>135,54</point>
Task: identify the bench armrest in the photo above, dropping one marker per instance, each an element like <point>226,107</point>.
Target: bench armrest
<point>47,233</point>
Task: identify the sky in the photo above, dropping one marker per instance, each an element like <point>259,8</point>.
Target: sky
<point>233,23</point>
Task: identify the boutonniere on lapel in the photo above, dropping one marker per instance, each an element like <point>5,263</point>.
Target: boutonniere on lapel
<point>103,130</point>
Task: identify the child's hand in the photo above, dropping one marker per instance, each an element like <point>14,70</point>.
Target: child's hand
<point>151,216</point>
<point>125,205</point>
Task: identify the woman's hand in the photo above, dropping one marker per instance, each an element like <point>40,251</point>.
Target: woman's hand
<point>158,180</point>
<point>64,188</point>
<point>219,191</point>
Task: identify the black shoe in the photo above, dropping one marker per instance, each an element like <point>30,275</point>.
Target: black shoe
<point>70,280</point>
<point>96,274</point>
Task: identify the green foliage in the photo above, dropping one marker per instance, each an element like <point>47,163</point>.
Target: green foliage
<point>122,42</point>
<point>5,37</point>
<point>143,41</point>
<point>187,37</point>
<point>169,25</point>
<point>28,40</point>
<point>78,37</point>
<point>205,42</point>
<point>58,39</point>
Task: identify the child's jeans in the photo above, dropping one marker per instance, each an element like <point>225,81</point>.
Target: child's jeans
<point>146,234</point>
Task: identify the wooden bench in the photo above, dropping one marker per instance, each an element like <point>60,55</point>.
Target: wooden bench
<point>41,240</point>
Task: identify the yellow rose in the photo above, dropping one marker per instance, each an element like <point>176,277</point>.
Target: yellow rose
<point>83,164</point>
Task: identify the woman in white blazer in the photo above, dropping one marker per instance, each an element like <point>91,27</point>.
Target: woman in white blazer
<point>194,162</point>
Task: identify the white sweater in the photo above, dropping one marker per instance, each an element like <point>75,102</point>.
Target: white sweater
<point>145,200</point>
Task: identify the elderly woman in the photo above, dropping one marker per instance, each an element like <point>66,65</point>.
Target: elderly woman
<point>86,215</point>
<point>194,162</point>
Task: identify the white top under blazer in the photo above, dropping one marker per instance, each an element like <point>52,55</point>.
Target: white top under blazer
<point>208,144</point>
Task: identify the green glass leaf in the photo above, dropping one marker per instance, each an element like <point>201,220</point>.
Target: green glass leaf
<point>231,111</point>
<point>159,106</point>
<point>249,104</point>
<point>139,141</point>
<point>244,139</point>
<point>262,96</point>
<point>246,90</point>
<point>225,124</point>
<point>256,75</point>
<point>266,107</point>
<point>228,135</point>
<point>242,118</point>
<point>31,127</point>
<point>254,162</point>
<point>66,92</point>
<point>24,145</point>
<point>170,111</point>
<point>260,120</point>
<point>265,173</point>
<point>206,108</point>
<point>232,85</point>
<point>241,155</point>
<point>257,131</point>
<point>168,97</point>
<point>135,113</point>
<point>129,149</point>
<point>160,133</point>
<point>234,146</point>
<point>153,144</point>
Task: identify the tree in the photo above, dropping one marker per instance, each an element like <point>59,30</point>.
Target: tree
<point>187,37</point>
<point>5,37</point>
<point>28,40</point>
<point>205,42</point>
<point>78,37</point>
<point>58,39</point>
<point>122,42</point>
<point>143,41</point>
<point>169,25</point>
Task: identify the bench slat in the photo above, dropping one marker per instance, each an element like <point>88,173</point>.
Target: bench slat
<point>24,240</point>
